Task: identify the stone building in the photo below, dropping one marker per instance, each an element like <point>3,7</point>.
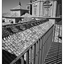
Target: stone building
<point>15,14</point>
<point>44,8</point>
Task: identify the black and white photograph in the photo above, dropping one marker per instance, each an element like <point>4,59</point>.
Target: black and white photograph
<point>31,31</point>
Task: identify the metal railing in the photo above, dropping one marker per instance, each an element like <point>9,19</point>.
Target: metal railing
<point>58,27</point>
<point>36,53</point>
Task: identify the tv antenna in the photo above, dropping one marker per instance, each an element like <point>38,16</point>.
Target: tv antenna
<point>19,2</point>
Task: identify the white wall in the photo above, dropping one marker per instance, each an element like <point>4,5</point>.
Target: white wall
<point>16,12</point>
<point>8,20</point>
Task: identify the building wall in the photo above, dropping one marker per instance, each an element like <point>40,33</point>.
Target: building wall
<point>9,20</point>
<point>22,12</point>
<point>17,20</point>
<point>17,13</point>
<point>39,10</point>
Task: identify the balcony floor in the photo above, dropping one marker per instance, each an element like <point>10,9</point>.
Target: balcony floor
<point>55,54</point>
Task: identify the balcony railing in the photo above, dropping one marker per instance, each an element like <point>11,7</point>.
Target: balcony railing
<point>36,52</point>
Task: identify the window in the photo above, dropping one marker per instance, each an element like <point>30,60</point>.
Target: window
<point>12,22</point>
<point>3,20</point>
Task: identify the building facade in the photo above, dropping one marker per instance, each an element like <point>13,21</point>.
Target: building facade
<point>44,8</point>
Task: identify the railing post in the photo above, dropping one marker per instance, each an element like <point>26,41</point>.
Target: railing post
<point>27,57</point>
<point>42,51</point>
<point>54,28</point>
<point>37,52</point>
<point>30,55</point>
<point>34,59</point>
<point>22,59</point>
<point>40,55</point>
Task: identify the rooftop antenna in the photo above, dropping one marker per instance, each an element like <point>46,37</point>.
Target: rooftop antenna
<point>19,3</point>
<point>30,1</point>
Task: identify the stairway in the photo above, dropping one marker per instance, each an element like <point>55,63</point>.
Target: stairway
<point>55,54</point>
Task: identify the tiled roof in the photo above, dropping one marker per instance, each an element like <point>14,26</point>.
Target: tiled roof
<point>18,42</point>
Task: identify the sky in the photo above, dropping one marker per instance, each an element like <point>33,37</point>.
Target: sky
<point>8,4</point>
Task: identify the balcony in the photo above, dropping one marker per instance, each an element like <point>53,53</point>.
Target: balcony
<point>38,48</point>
